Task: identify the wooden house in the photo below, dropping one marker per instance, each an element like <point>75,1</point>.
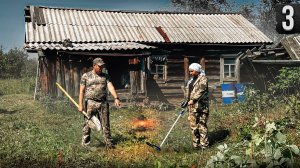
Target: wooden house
<point>261,65</point>
<point>152,50</point>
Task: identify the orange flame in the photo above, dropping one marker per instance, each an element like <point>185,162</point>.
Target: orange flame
<point>146,123</point>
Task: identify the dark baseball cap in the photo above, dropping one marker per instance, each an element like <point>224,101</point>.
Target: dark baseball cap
<point>98,61</point>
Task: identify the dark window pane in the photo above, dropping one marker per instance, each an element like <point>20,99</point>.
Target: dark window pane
<point>160,69</point>
<point>229,61</point>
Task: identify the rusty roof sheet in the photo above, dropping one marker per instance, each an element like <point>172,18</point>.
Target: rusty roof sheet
<point>51,25</point>
<point>88,46</point>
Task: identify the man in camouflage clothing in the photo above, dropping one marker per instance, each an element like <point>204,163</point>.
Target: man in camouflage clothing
<point>196,93</point>
<point>93,87</point>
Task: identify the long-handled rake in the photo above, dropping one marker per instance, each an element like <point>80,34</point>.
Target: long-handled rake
<point>158,148</point>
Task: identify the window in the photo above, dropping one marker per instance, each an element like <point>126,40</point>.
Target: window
<point>158,66</point>
<point>159,71</point>
<point>229,68</point>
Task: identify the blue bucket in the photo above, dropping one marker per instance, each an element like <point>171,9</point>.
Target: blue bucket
<point>228,93</point>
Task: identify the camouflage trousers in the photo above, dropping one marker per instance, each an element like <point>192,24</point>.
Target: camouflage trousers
<point>100,110</point>
<point>198,124</point>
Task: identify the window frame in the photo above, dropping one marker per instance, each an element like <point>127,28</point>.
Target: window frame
<point>230,71</point>
<point>233,71</point>
<point>155,71</point>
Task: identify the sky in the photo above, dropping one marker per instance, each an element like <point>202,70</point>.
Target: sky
<point>12,22</point>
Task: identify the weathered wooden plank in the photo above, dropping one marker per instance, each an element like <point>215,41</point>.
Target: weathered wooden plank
<point>186,68</point>
<point>52,71</point>
<point>58,75</point>
<point>67,75</point>
<point>77,76</point>
<point>71,71</point>
<point>214,77</point>
<point>212,61</point>
<point>44,76</point>
<point>238,70</point>
<point>221,70</point>
<point>133,82</point>
<point>202,62</point>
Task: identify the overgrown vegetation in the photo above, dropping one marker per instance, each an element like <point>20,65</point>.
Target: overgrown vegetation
<point>265,149</point>
<point>16,64</point>
<point>17,86</point>
<point>264,144</point>
<point>47,133</point>
<point>283,92</point>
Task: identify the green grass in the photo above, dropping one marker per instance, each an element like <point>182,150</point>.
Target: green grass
<point>32,134</point>
<point>17,86</point>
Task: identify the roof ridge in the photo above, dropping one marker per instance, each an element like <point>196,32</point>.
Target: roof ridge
<point>133,11</point>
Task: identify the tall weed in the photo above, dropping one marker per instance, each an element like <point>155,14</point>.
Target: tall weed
<point>268,147</point>
<point>17,86</point>
<point>58,105</point>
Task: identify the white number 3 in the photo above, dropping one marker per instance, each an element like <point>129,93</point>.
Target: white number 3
<point>288,17</point>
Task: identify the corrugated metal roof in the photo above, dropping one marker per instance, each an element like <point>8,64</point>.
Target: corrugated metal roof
<point>88,46</point>
<point>57,24</point>
<point>297,39</point>
<point>291,44</point>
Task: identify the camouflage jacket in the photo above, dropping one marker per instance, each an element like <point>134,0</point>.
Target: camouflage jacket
<point>200,86</point>
<point>95,85</point>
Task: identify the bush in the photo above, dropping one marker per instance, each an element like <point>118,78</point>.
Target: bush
<point>283,91</point>
<point>257,101</point>
<point>293,104</point>
<point>268,147</point>
<point>288,81</point>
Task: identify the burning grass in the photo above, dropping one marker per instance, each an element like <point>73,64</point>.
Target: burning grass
<point>141,124</point>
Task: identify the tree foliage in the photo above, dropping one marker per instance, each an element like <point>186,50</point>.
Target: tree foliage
<point>287,82</point>
<point>16,64</point>
<point>261,14</point>
<point>204,6</point>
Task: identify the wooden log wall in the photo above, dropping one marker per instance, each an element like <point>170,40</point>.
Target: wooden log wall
<point>178,75</point>
<point>43,75</point>
<point>212,70</point>
<point>47,75</point>
<point>72,69</point>
<point>64,70</point>
<point>67,71</point>
<point>135,75</point>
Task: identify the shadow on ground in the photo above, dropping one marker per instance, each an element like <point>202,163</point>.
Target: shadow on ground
<point>218,136</point>
<point>154,92</point>
<point>3,111</point>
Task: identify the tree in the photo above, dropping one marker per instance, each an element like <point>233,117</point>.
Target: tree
<point>203,6</point>
<point>30,68</point>
<point>2,69</point>
<point>266,18</point>
<point>14,63</point>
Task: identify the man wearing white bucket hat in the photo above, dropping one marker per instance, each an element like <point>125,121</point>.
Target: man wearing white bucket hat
<point>196,94</point>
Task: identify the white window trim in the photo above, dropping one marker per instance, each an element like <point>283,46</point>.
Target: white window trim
<point>222,74</point>
<point>163,73</point>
